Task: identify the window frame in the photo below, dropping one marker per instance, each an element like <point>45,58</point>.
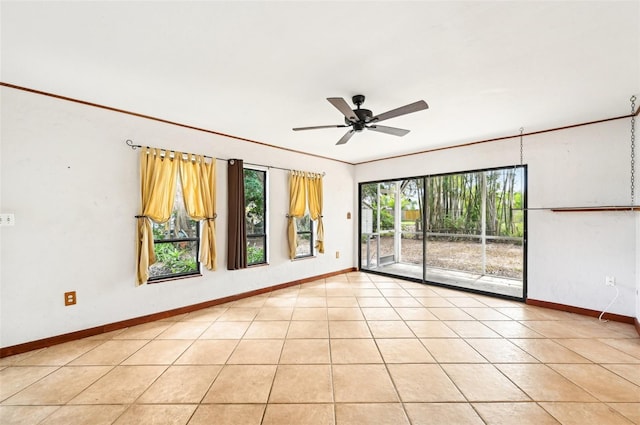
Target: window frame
<point>265,199</point>
<point>423,279</point>
<point>181,275</point>
<point>311,233</point>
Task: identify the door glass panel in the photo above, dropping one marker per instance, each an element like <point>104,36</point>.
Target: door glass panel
<point>391,227</point>
<point>504,261</point>
<point>410,256</point>
<point>454,228</point>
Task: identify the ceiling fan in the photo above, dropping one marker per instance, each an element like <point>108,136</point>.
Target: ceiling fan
<point>359,119</point>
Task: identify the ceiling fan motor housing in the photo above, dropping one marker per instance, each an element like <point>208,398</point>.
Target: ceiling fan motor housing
<point>364,116</point>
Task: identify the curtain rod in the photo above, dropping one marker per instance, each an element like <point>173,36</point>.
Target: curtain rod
<point>129,143</point>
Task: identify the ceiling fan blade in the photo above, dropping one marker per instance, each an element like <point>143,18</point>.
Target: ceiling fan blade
<point>403,110</point>
<point>342,106</point>
<point>319,126</point>
<point>388,130</point>
<point>346,137</point>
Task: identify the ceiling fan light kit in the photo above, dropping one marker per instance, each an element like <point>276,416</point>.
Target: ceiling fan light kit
<point>359,119</point>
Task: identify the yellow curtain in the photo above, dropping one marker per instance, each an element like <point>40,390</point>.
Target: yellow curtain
<point>157,190</point>
<point>199,191</point>
<point>314,197</point>
<point>297,207</point>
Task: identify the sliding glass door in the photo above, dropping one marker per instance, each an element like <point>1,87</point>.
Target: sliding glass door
<point>465,230</point>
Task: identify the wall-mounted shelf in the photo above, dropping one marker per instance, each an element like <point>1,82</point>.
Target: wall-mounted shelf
<point>597,209</point>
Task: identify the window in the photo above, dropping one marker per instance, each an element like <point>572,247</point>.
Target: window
<point>255,196</point>
<point>176,243</point>
<point>304,231</point>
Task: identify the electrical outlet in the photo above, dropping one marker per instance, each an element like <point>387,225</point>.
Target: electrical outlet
<point>337,254</point>
<point>610,281</point>
<point>70,298</point>
<point>7,219</point>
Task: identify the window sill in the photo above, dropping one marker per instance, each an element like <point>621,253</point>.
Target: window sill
<point>306,257</point>
<point>257,265</point>
<point>596,209</point>
<point>169,279</point>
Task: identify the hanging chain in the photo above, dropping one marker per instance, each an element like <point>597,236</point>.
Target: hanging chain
<point>633,150</point>
<point>521,150</point>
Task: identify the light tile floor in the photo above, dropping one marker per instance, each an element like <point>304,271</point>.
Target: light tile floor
<point>351,349</point>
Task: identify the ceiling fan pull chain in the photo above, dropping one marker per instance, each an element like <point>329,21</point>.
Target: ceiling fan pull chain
<point>633,150</point>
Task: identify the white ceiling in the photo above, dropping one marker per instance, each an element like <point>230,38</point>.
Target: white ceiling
<point>257,69</point>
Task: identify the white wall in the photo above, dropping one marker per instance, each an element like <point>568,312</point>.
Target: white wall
<point>638,268</point>
<point>72,184</point>
<point>569,254</point>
